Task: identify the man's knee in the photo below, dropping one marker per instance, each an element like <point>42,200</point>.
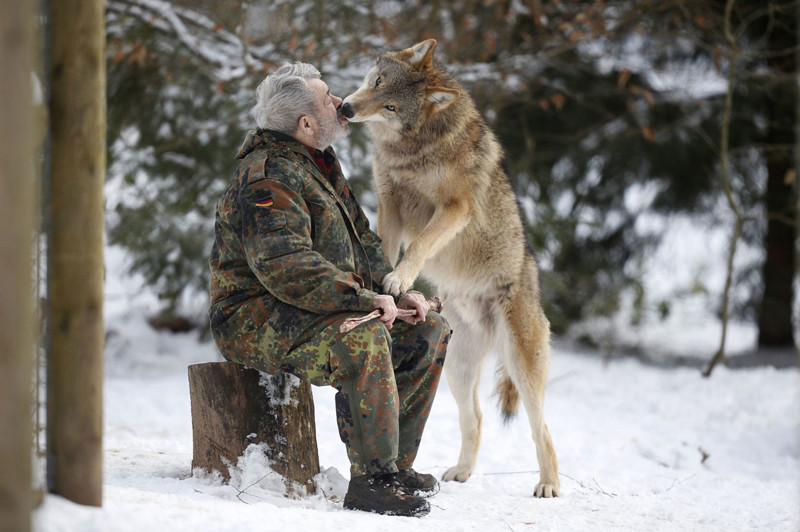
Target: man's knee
<point>438,324</point>
<point>367,346</point>
<point>425,342</point>
<point>436,330</point>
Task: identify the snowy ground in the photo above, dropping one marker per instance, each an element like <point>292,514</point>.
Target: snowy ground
<point>640,448</point>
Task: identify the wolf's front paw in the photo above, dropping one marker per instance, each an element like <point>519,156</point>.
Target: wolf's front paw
<point>545,491</point>
<point>457,473</point>
<point>395,284</point>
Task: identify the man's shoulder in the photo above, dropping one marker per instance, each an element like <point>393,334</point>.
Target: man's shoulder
<point>276,158</point>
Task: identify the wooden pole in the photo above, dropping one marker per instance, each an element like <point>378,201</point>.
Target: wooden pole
<point>75,250</point>
<point>16,248</point>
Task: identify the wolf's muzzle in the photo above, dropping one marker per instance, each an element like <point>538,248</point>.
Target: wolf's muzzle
<point>347,110</point>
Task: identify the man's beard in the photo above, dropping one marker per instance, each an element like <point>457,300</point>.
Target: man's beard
<point>330,130</point>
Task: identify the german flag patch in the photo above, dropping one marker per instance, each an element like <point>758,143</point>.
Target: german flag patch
<point>264,202</point>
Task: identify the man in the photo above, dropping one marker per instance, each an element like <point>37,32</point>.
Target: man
<point>292,259</point>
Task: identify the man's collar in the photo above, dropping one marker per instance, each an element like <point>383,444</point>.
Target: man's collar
<point>283,137</point>
<point>277,135</point>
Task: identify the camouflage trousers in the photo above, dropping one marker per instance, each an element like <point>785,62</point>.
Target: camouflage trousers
<point>386,382</point>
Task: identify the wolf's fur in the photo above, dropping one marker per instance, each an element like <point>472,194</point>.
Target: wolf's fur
<point>444,195</point>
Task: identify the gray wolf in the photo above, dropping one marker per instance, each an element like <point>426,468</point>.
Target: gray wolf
<point>443,194</point>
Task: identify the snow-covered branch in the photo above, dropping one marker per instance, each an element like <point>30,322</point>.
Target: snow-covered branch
<point>226,51</point>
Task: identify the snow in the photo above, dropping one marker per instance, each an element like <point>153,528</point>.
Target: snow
<point>639,448</point>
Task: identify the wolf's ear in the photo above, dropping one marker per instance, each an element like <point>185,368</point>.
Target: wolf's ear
<point>420,55</point>
<point>441,97</point>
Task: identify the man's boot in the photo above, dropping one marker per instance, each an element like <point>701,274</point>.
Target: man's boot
<point>383,494</point>
<point>420,484</point>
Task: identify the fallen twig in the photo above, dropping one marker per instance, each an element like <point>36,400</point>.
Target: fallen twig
<point>676,482</point>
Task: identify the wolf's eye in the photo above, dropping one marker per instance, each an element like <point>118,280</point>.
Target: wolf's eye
<point>391,108</point>
<point>378,81</point>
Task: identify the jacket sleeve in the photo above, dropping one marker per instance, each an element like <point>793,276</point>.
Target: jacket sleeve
<point>276,236</point>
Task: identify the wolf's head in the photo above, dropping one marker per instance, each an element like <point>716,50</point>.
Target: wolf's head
<point>402,90</point>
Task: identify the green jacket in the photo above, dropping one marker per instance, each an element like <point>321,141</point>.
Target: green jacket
<point>291,248</point>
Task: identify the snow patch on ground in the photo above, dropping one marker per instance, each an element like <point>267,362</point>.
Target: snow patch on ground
<point>640,447</point>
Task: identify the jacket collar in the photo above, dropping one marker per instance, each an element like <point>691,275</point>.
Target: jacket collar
<point>277,142</point>
<point>265,137</point>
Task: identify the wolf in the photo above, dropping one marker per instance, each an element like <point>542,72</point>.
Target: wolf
<point>445,197</point>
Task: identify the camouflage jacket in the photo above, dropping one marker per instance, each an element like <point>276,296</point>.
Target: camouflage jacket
<point>291,247</point>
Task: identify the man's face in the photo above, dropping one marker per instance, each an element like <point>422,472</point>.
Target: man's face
<point>331,125</point>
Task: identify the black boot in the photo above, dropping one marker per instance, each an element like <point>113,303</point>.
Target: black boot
<point>420,484</point>
<point>383,494</point>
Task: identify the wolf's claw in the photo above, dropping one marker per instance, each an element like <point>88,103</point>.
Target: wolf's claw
<point>545,491</point>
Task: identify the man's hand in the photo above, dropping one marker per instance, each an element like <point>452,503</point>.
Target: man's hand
<point>388,309</point>
<point>417,302</point>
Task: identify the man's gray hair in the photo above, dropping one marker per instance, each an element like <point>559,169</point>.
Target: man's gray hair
<point>283,97</point>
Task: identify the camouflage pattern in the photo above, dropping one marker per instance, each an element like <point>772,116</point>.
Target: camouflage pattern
<point>386,381</point>
<point>291,247</point>
<point>293,258</point>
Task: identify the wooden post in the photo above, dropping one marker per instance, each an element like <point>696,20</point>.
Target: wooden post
<point>75,250</point>
<point>16,249</point>
<point>234,406</point>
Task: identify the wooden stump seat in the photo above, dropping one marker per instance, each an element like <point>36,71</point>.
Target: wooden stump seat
<point>234,406</point>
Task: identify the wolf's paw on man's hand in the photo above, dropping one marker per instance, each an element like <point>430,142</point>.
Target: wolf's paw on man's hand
<point>395,283</point>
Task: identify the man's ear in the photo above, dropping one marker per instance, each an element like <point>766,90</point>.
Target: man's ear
<point>306,125</point>
<point>441,97</point>
<point>420,55</point>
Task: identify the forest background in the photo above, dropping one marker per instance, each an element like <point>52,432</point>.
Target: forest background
<point>628,125</point>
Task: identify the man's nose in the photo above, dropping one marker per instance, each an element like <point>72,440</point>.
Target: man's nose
<point>336,101</point>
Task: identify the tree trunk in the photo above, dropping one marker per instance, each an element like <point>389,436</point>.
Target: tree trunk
<point>775,316</point>
<point>234,406</point>
<point>16,247</point>
<point>75,251</point>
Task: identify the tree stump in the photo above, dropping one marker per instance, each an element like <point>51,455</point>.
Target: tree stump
<point>234,406</point>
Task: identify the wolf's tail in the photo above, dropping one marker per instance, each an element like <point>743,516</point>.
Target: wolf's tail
<point>509,398</point>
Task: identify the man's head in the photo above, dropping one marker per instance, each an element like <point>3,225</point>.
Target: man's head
<point>295,101</point>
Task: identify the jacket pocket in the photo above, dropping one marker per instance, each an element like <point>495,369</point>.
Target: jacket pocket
<point>271,222</point>
<point>316,209</point>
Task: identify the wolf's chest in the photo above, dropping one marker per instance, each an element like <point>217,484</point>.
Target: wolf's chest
<point>417,174</point>
<point>413,204</point>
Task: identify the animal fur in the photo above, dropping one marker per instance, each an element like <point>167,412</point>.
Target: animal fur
<point>443,194</point>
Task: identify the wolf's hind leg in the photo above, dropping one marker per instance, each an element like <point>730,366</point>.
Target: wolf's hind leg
<point>526,361</point>
<point>465,355</point>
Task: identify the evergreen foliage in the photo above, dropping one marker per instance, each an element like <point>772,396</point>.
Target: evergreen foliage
<point>608,112</point>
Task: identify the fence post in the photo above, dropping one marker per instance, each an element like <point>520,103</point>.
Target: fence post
<point>16,252</point>
<point>75,250</point>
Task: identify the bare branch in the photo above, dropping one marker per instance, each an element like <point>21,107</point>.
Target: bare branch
<point>726,181</point>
